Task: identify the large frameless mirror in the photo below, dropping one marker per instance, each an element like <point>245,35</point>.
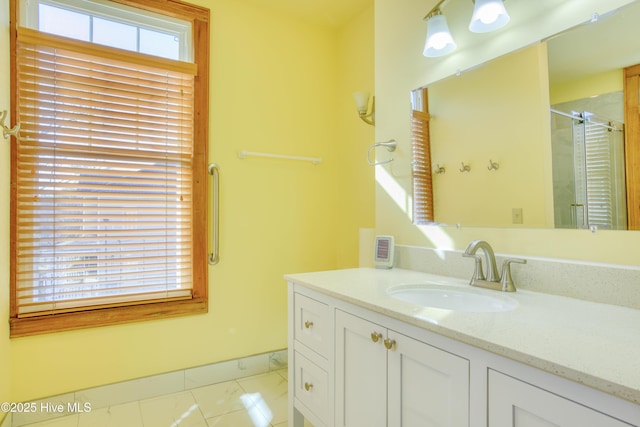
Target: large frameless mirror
<point>541,130</point>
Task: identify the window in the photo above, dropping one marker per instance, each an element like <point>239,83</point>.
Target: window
<point>109,173</point>
<point>421,152</point>
<point>111,24</point>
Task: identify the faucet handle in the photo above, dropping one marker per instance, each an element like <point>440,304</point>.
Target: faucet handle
<point>507,280</point>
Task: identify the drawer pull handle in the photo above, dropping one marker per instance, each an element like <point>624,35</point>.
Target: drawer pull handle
<point>375,336</point>
<point>308,324</point>
<point>389,343</point>
<point>308,386</point>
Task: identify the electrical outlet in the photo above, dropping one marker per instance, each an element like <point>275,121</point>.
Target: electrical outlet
<point>516,215</point>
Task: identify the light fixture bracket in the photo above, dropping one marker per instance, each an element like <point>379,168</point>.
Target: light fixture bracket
<point>369,117</point>
<point>362,104</point>
<point>435,10</point>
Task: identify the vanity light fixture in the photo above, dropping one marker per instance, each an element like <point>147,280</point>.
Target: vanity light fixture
<point>362,102</point>
<point>439,40</point>
<point>488,15</point>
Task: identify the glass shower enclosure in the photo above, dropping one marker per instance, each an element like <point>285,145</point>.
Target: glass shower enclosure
<point>588,171</point>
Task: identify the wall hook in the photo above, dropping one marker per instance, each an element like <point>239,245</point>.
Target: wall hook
<point>389,145</point>
<point>6,131</point>
<point>439,169</point>
<point>465,168</point>
<point>493,166</point>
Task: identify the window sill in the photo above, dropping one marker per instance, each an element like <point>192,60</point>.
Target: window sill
<point>107,316</point>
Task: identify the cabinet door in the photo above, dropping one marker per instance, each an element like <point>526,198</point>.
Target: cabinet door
<point>361,373</point>
<point>514,403</point>
<point>428,387</point>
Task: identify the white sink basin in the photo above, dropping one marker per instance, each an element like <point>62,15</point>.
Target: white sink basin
<point>453,298</point>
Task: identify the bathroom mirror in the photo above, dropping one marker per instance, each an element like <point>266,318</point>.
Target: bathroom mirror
<point>527,164</point>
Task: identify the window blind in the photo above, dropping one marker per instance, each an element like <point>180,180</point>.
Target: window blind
<point>422,177</point>
<point>103,177</point>
<point>600,175</point>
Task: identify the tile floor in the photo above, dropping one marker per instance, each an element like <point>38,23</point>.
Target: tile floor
<point>256,401</point>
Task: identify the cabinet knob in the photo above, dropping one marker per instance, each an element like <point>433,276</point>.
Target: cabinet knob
<point>376,336</point>
<point>308,324</point>
<point>308,386</point>
<point>389,343</point>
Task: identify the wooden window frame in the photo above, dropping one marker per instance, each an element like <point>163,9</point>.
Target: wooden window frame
<point>198,304</point>
<point>632,144</point>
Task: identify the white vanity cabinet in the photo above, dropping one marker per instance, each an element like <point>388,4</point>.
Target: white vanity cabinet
<point>384,378</point>
<point>355,363</point>
<point>515,403</point>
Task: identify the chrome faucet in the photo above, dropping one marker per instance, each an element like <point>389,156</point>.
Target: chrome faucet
<point>493,280</point>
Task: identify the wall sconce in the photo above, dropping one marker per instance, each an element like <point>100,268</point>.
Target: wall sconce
<point>488,15</point>
<point>439,40</point>
<point>362,102</point>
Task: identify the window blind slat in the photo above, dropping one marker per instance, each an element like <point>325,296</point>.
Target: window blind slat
<point>68,281</point>
<point>48,62</point>
<point>76,85</point>
<point>69,92</point>
<point>139,118</point>
<point>97,129</point>
<point>123,249</point>
<point>78,151</point>
<point>123,169</point>
<point>104,179</point>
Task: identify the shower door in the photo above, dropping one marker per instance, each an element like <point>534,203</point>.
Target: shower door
<point>592,163</point>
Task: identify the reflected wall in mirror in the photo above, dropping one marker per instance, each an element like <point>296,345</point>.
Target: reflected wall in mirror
<point>497,113</point>
<point>500,112</point>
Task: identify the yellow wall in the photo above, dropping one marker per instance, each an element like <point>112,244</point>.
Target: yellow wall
<point>5,348</point>
<point>400,68</point>
<point>598,84</point>
<point>356,198</point>
<point>467,127</point>
<point>276,82</point>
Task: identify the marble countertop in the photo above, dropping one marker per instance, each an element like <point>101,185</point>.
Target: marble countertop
<point>597,345</point>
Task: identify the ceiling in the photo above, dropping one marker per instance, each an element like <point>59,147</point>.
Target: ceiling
<point>607,44</point>
<point>328,12</point>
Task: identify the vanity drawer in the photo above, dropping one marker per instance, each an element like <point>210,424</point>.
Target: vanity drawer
<point>312,386</point>
<point>312,325</point>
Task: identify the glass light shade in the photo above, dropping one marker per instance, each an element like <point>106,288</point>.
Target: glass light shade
<point>439,41</point>
<point>488,15</point>
<point>362,101</point>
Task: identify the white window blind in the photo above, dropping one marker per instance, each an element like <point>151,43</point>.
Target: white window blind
<point>104,177</point>
<point>600,175</point>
